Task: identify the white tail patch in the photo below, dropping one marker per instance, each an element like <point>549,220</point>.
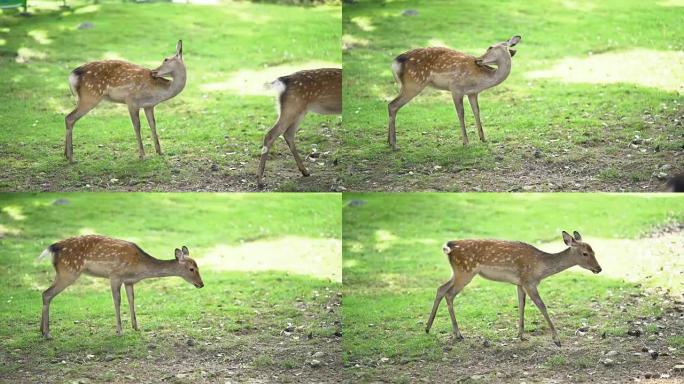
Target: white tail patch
<point>279,87</point>
<point>47,252</point>
<point>446,249</point>
<point>73,82</point>
<point>396,68</point>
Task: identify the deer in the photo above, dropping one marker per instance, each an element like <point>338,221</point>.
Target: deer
<point>120,261</point>
<point>125,83</point>
<point>449,70</point>
<point>316,90</point>
<point>512,262</point>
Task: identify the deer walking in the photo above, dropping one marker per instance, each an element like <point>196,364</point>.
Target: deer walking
<point>317,90</point>
<point>120,261</point>
<point>125,83</point>
<point>449,70</point>
<point>510,262</point>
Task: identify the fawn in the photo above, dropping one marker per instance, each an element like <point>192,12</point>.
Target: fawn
<point>125,83</point>
<point>449,70</point>
<point>317,90</point>
<point>120,261</point>
<point>510,262</point>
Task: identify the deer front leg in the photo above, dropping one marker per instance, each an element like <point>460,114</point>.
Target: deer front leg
<point>474,105</point>
<point>149,114</point>
<point>131,304</point>
<point>458,103</point>
<point>534,295</point>
<point>116,295</point>
<point>135,119</point>
<point>521,312</point>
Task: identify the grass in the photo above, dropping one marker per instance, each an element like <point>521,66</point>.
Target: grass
<point>237,319</point>
<point>579,93</point>
<point>393,266</point>
<point>211,133</point>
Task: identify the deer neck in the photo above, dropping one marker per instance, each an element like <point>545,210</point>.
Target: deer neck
<point>557,262</point>
<point>159,268</point>
<point>176,85</point>
<point>503,69</point>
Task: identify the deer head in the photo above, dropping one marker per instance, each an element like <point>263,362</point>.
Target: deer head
<point>581,252</point>
<point>171,64</point>
<point>188,267</point>
<point>499,51</point>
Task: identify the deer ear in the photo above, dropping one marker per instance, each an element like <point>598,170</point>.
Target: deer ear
<point>513,41</point>
<point>179,48</point>
<point>577,236</point>
<point>179,255</point>
<point>185,251</point>
<point>569,241</point>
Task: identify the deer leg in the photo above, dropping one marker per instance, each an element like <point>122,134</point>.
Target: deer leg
<point>521,312</point>
<point>83,107</point>
<point>458,103</point>
<point>534,295</point>
<point>405,95</point>
<point>116,295</point>
<point>131,304</point>
<point>285,120</point>
<point>135,119</point>
<point>441,291</point>
<point>149,114</point>
<point>474,105</point>
<point>290,139</point>
<point>458,284</point>
<point>61,282</point>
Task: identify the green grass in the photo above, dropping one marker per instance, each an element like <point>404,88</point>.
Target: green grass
<point>393,266</point>
<point>237,318</point>
<point>580,130</point>
<point>198,128</point>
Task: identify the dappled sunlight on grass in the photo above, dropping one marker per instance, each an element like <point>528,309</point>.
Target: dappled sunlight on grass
<point>25,55</point>
<point>321,258</point>
<point>253,82</point>
<point>364,23</point>
<point>350,41</point>
<point>14,212</point>
<point>40,36</point>
<point>643,67</point>
<point>109,55</point>
<point>5,231</point>
<point>384,239</point>
<point>671,3</point>
<point>87,9</point>
<point>584,6</point>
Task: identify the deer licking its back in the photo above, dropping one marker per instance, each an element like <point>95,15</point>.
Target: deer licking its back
<point>120,261</point>
<point>125,83</point>
<point>510,262</point>
<point>452,71</point>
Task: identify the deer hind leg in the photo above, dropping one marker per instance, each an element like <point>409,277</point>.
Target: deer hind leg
<point>84,106</point>
<point>116,295</point>
<point>458,285</point>
<point>149,114</point>
<point>131,305</point>
<point>536,299</point>
<point>441,291</point>
<point>285,120</point>
<point>458,103</point>
<point>62,280</point>
<point>135,119</point>
<point>521,312</point>
<point>406,94</point>
<point>474,105</point>
<point>289,135</point>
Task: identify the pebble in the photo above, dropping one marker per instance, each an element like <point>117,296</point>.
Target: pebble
<point>611,353</point>
<point>608,362</point>
<point>315,363</point>
<point>318,355</point>
<point>679,368</point>
<point>191,342</point>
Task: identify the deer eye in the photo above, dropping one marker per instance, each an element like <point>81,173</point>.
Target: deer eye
<point>192,269</point>
<point>165,60</point>
<point>585,254</point>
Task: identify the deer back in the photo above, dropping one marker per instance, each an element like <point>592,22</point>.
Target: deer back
<point>317,90</point>
<point>96,255</point>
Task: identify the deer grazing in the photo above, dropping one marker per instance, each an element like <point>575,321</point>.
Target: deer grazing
<point>125,83</point>
<point>120,261</point>
<point>452,71</point>
<point>317,90</point>
<point>510,262</point>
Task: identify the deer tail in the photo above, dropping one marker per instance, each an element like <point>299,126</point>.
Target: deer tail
<point>448,247</point>
<point>398,67</point>
<point>49,251</point>
<point>74,78</point>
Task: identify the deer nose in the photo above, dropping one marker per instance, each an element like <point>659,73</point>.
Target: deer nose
<point>597,270</point>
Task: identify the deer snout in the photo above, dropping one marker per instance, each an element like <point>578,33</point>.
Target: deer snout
<point>199,285</point>
<point>597,269</point>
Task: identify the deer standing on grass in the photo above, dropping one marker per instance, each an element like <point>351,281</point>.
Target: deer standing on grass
<point>125,83</point>
<point>317,90</point>
<point>449,70</point>
<point>120,261</point>
<point>510,262</point>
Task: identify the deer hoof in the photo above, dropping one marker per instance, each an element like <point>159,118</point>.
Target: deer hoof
<point>306,173</point>
<point>427,330</point>
<point>47,336</point>
<point>557,343</point>
<point>260,185</point>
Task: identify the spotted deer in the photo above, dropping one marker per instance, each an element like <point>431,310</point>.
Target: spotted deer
<point>317,90</point>
<point>125,83</point>
<point>120,261</point>
<point>509,262</point>
<point>449,70</point>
